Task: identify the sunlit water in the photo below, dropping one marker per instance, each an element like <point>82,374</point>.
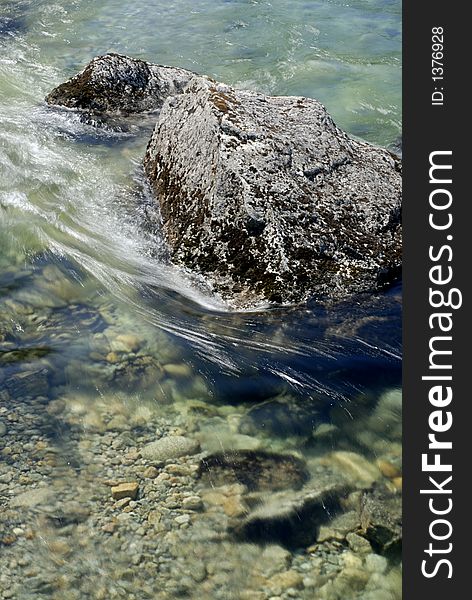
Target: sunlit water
<point>81,262</point>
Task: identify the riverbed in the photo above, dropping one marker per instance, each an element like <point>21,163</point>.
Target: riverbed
<point>106,348</point>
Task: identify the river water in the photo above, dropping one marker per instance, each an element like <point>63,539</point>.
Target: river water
<point>104,345</point>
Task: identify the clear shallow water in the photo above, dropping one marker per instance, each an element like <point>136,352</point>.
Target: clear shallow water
<point>80,264</point>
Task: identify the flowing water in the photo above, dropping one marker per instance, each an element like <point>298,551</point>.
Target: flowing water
<point>105,347</point>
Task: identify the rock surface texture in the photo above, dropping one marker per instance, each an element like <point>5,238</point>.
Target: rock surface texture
<point>270,200</point>
<point>264,196</point>
<point>115,83</point>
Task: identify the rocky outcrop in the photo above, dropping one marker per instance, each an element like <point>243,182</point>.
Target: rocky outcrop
<point>271,201</point>
<point>264,196</point>
<point>118,84</point>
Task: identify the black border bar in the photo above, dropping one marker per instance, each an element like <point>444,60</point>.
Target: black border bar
<point>432,124</point>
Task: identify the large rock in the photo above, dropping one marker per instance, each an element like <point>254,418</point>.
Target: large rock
<point>118,84</point>
<point>270,200</point>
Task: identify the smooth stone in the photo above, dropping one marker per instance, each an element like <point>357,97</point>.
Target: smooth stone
<point>3,429</point>
<point>112,357</point>
<point>216,438</point>
<point>182,519</point>
<point>125,342</point>
<point>170,447</point>
<point>388,469</point>
<point>339,526</point>
<point>353,579</point>
<point>229,498</point>
<point>118,423</point>
<point>353,466</point>
<point>178,370</point>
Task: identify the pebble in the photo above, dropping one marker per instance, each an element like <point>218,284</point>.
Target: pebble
<point>150,473</point>
<point>154,517</point>
<point>125,490</point>
<point>388,469</point>
<point>182,519</point>
<point>398,483</point>
<point>192,503</point>
<point>358,544</point>
<point>112,357</point>
<point>3,429</point>
<point>354,466</point>
<point>122,503</point>
<point>109,527</point>
<point>286,580</point>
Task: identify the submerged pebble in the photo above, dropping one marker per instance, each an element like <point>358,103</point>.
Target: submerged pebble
<point>169,447</point>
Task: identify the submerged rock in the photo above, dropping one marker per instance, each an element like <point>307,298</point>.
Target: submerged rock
<point>381,521</point>
<point>282,416</point>
<point>169,447</point>
<point>258,470</point>
<point>269,200</point>
<point>116,83</point>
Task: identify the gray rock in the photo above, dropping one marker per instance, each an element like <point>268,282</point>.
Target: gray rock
<point>358,544</point>
<point>119,84</point>
<point>169,447</point>
<point>269,200</point>
<point>3,429</point>
<point>381,521</point>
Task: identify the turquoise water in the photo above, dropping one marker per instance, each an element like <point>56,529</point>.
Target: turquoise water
<point>346,54</point>
<point>93,319</point>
